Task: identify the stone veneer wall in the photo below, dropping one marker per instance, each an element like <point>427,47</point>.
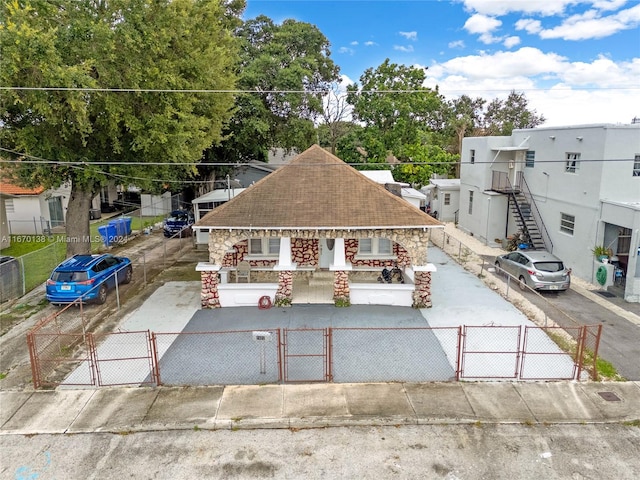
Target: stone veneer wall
<point>351,250</point>
<point>422,290</point>
<point>341,285</point>
<point>285,287</point>
<point>413,240</point>
<point>209,292</point>
<point>304,252</point>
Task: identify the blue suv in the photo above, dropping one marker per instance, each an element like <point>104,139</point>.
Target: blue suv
<point>87,276</point>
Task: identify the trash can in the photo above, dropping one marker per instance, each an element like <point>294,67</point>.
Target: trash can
<point>94,214</point>
<point>127,225</point>
<point>120,227</point>
<point>108,233</point>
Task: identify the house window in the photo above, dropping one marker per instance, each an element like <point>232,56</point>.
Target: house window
<point>447,199</point>
<point>473,156</point>
<point>374,246</point>
<point>571,165</point>
<point>470,202</point>
<point>530,158</point>
<point>636,166</point>
<point>567,223</point>
<point>8,205</point>
<point>264,246</point>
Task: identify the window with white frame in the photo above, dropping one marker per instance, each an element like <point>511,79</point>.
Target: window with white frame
<point>636,166</point>
<point>530,159</point>
<point>571,165</point>
<point>447,199</point>
<point>374,247</point>
<point>470,202</point>
<point>567,223</point>
<point>264,246</point>
<point>472,156</point>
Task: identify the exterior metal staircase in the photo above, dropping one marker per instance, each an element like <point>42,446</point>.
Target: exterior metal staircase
<point>524,210</point>
<point>521,210</point>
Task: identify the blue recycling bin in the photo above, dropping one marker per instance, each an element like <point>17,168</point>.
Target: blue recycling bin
<point>120,226</point>
<point>127,224</point>
<point>108,234</point>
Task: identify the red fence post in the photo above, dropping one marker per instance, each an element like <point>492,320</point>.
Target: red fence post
<point>33,356</point>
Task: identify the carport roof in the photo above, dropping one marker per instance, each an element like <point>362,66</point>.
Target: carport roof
<point>316,190</point>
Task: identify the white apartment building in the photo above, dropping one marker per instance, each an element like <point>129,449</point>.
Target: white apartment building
<point>576,187</point>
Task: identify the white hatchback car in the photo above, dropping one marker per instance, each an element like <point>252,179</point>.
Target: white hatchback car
<point>538,269</point>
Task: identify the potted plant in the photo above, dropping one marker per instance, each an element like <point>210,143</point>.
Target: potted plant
<point>602,253</point>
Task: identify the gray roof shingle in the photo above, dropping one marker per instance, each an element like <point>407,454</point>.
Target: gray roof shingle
<point>316,190</point>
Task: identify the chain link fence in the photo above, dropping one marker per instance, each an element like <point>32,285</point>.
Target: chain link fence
<point>536,307</point>
<point>340,355</point>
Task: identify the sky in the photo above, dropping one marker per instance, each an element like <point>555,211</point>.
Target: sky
<point>577,61</point>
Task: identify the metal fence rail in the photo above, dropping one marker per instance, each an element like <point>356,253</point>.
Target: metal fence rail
<point>340,355</point>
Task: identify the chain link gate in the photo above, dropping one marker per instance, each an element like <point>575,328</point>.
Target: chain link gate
<point>306,355</point>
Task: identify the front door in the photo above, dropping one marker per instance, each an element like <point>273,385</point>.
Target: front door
<point>326,246</point>
<point>55,211</point>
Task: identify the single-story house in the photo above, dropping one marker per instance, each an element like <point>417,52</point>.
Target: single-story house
<point>443,198</point>
<point>317,217</point>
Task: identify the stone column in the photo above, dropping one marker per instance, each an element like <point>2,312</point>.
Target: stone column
<point>209,294</point>
<point>284,294</point>
<point>422,290</point>
<point>341,292</point>
<point>209,297</point>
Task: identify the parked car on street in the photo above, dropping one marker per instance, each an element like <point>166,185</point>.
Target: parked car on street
<point>87,276</point>
<point>179,223</point>
<point>537,269</point>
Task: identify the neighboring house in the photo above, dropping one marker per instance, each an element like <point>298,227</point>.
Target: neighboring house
<point>316,218</point>
<point>206,203</point>
<point>404,190</point>
<point>33,211</point>
<point>443,198</point>
<point>567,189</point>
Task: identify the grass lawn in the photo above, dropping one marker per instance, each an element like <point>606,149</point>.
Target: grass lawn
<point>39,254</point>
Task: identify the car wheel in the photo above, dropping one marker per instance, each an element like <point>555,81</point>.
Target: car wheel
<point>522,283</point>
<point>127,275</point>
<point>102,294</point>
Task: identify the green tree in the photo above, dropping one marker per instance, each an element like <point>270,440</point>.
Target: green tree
<point>392,101</point>
<point>503,116</point>
<point>90,46</point>
<point>277,63</point>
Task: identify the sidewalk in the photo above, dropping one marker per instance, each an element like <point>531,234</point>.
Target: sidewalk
<point>118,410</point>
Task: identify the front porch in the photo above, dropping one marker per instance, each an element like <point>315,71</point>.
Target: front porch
<point>308,266</point>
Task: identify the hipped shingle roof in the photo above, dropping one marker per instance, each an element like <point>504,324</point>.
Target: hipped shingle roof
<point>316,190</point>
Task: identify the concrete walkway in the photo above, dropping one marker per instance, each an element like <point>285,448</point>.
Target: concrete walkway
<point>119,410</point>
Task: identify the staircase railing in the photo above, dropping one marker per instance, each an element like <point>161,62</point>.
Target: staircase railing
<point>524,189</point>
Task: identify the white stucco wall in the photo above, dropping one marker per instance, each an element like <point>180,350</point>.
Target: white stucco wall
<point>604,174</point>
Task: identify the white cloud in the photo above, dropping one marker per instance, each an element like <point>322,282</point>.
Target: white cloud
<point>511,42</point>
<point>529,25</point>
<point>370,44</point>
<point>402,48</point>
<point>354,43</point>
<point>456,44</point>
<point>409,35</point>
<point>346,50</point>
<point>503,7</point>
<point>565,92</point>
<point>481,24</point>
<point>591,24</point>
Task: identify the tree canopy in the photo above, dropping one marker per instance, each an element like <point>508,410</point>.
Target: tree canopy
<point>277,63</point>
<point>91,48</point>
